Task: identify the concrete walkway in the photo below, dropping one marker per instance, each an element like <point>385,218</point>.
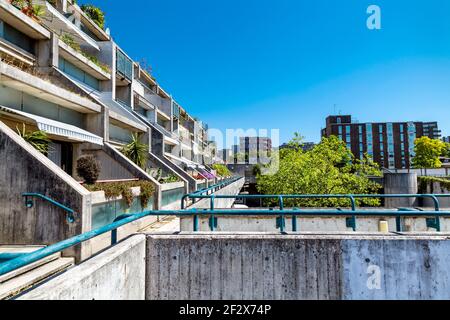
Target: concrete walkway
<point>171,224</point>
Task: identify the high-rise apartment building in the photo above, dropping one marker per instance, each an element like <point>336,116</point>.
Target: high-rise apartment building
<point>391,144</point>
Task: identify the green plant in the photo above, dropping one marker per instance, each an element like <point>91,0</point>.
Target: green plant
<point>222,170</point>
<point>70,41</point>
<point>329,168</point>
<point>428,152</point>
<point>95,14</point>
<point>28,8</point>
<point>136,151</point>
<point>171,178</point>
<point>88,169</point>
<point>116,189</point>
<point>38,139</point>
<point>425,182</point>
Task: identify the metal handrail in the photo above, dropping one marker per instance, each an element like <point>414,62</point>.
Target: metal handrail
<point>29,258</point>
<point>213,188</point>
<point>351,222</point>
<point>29,203</point>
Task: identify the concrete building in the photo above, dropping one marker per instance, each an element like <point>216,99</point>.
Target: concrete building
<point>390,144</point>
<point>62,74</point>
<point>255,149</point>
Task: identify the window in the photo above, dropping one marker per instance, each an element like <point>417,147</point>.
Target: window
<point>78,74</point>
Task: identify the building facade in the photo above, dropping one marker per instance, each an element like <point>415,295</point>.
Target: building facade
<point>255,149</point>
<point>390,144</point>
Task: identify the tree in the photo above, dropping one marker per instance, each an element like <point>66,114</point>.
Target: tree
<point>427,153</point>
<point>329,168</point>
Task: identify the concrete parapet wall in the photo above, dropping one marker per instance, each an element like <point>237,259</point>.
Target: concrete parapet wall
<point>116,274</point>
<point>400,183</point>
<point>240,267</point>
<point>308,224</point>
<point>26,170</point>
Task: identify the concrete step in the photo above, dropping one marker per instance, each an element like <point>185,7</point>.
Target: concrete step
<point>24,281</point>
<point>27,268</point>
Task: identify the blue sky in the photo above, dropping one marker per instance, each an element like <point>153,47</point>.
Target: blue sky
<point>286,64</point>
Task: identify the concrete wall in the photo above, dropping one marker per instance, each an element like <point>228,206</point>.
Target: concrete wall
<point>400,183</point>
<point>309,224</point>
<point>241,267</point>
<point>116,274</point>
<point>435,188</point>
<point>25,170</point>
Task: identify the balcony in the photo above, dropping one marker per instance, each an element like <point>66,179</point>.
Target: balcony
<point>15,18</point>
<point>82,62</point>
<point>124,67</point>
<point>60,24</point>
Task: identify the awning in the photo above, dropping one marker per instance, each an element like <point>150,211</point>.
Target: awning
<point>56,128</point>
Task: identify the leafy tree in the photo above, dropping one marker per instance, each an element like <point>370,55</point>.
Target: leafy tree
<point>136,151</point>
<point>329,168</point>
<point>428,152</point>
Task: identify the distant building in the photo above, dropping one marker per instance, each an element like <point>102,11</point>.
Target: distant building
<point>446,139</point>
<point>307,146</point>
<point>390,144</point>
<point>226,155</point>
<point>255,149</point>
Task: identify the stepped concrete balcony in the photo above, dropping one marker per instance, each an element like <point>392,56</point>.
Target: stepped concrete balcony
<point>87,23</point>
<point>34,85</point>
<point>66,22</point>
<point>82,62</point>
<point>17,28</point>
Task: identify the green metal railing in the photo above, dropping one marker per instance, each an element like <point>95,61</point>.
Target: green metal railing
<point>350,221</point>
<point>206,191</point>
<point>29,203</point>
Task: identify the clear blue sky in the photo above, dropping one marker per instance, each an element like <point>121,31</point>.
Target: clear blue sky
<point>285,64</point>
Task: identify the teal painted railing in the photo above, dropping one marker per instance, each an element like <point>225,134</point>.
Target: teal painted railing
<point>206,191</point>
<point>351,222</point>
<point>29,203</point>
<point>28,258</point>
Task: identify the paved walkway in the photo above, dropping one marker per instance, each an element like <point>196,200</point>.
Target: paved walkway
<point>171,224</point>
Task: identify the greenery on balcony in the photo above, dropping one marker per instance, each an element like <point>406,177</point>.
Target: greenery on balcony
<point>70,41</point>
<point>222,170</point>
<point>114,190</point>
<point>34,11</point>
<point>95,14</point>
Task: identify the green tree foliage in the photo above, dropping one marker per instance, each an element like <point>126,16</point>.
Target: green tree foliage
<point>428,152</point>
<point>329,168</point>
<point>136,151</point>
<point>95,13</point>
<point>222,170</point>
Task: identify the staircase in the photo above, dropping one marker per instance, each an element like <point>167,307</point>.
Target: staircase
<point>17,281</point>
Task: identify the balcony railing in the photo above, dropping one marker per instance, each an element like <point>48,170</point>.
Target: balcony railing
<point>124,65</point>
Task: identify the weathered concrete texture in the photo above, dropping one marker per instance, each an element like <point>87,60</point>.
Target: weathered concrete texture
<point>409,269</point>
<point>242,267</point>
<point>116,274</point>
<point>26,170</point>
<point>346,266</point>
<point>400,183</point>
<point>230,190</point>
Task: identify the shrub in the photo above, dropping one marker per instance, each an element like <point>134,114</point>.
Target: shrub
<point>222,170</point>
<point>95,14</point>
<point>115,189</point>
<point>88,169</point>
<point>38,139</point>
